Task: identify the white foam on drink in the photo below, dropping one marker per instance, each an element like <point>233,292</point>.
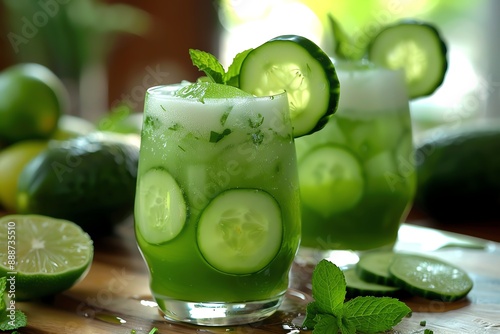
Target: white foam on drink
<point>216,114</point>
<point>371,89</point>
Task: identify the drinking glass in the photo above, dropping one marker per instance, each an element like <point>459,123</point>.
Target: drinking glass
<point>357,176</point>
<point>217,205</point>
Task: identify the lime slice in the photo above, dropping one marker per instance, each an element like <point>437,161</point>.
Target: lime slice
<point>240,231</point>
<point>44,255</point>
<point>160,208</point>
<point>418,48</point>
<point>207,90</point>
<point>331,179</point>
<point>298,66</point>
<point>429,277</point>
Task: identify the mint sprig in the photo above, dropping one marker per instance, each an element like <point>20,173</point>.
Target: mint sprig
<point>328,313</point>
<point>9,321</point>
<point>208,63</point>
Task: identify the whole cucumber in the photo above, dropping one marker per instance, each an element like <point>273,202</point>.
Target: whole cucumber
<point>458,173</point>
<point>89,180</point>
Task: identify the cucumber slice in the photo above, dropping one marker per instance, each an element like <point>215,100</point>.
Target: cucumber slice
<point>298,66</point>
<point>430,278</point>
<point>331,179</point>
<point>418,48</point>
<point>240,231</point>
<point>355,286</point>
<point>160,210</point>
<point>373,267</point>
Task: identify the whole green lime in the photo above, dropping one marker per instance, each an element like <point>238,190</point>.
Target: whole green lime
<point>32,98</point>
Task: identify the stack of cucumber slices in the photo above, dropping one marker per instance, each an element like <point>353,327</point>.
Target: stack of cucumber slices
<point>387,273</point>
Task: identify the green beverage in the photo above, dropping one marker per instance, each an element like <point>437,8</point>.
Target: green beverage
<point>217,207</point>
<point>356,175</point>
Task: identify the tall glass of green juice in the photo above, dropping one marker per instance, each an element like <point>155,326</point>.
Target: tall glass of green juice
<point>217,206</point>
<point>356,175</point>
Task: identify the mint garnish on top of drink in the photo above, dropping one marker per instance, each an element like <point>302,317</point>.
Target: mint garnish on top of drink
<point>328,313</point>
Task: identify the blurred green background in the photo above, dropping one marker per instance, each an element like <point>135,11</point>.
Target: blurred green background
<point>109,51</point>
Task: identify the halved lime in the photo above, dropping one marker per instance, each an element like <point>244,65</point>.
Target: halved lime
<point>331,179</point>
<point>240,231</point>
<point>298,66</point>
<point>418,48</point>
<point>43,255</point>
<point>429,277</point>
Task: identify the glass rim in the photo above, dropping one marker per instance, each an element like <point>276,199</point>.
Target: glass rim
<point>165,92</point>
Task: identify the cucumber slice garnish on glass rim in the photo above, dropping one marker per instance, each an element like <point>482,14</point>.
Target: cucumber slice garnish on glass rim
<point>298,66</point>
<point>418,48</point>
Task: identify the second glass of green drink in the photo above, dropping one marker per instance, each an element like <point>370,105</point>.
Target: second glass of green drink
<point>357,178</point>
<point>217,206</point>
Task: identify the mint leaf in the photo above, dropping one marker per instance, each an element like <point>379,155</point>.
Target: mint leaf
<point>346,326</point>
<point>326,323</point>
<point>209,64</point>
<point>311,313</point>
<point>328,287</point>
<point>375,314</point>
<point>232,76</point>
<point>345,47</point>
<point>215,137</point>
<point>19,320</point>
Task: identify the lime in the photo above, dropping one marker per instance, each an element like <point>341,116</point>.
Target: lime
<point>418,48</point>
<point>429,277</point>
<point>205,90</point>
<point>12,161</point>
<point>47,256</point>
<point>33,98</point>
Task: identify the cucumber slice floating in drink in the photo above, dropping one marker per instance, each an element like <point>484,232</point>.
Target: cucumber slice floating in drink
<point>418,48</point>
<point>331,179</point>
<point>240,231</point>
<point>298,66</point>
<point>160,210</point>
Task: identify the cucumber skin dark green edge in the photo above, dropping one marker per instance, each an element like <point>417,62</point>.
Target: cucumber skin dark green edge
<point>317,53</point>
<point>441,44</point>
<point>354,290</point>
<point>427,294</point>
<point>365,274</point>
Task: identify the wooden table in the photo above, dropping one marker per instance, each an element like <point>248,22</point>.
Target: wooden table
<point>114,297</point>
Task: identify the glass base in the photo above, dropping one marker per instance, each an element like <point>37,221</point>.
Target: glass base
<point>341,258</point>
<point>218,313</point>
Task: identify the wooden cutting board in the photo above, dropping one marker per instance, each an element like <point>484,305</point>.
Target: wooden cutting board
<point>114,297</point>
